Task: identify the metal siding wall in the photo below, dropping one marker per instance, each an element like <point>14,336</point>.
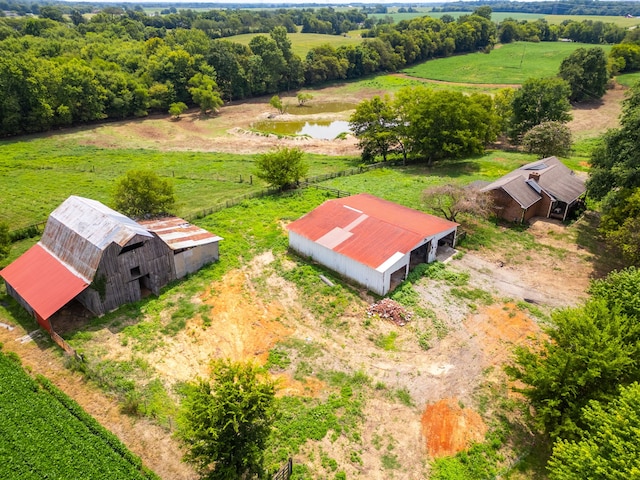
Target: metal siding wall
<point>431,257</point>
<point>193,259</point>
<point>71,248</point>
<point>345,266</point>
<point>386,284</point>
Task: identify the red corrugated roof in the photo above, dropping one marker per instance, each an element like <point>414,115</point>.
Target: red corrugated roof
<point>367,228</point>
<point>43,281</point>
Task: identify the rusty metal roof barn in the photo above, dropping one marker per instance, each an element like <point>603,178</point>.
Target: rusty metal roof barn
<point>369,239</point>
<point>103,259</point>
<point>80,229</point>
<point>178,233</point>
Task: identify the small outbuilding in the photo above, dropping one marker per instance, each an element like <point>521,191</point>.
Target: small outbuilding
<point>369,240</point>
<point>99,257</point>
<point>192,246</point>
<point>545,188</point>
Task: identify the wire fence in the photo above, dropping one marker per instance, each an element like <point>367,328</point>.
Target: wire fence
<point>35,229</point>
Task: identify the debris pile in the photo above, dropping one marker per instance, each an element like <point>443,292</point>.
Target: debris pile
<point>390,310</point>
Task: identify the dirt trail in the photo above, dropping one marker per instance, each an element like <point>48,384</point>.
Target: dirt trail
<point>151,443</point>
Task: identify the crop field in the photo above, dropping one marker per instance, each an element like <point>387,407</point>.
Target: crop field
<point>47,435</point>
<point>38,174</point>
<point>509,64</point>
<point>301,43</point>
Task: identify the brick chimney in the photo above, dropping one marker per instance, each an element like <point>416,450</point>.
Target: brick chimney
<point>535,176</point>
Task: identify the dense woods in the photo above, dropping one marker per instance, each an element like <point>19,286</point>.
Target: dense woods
<point>64,67</point>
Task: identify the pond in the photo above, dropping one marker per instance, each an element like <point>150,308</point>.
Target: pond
<point>323,129</point>
<point>328,107</point>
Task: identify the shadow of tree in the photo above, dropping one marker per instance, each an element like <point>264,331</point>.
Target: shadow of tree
<point>605,257</point>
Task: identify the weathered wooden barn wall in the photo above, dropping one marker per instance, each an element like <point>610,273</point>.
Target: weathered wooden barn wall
<point>122,274</point>
<point>12,292</point>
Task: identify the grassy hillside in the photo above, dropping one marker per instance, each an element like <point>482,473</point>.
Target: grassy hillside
<point>303,42</point>
<point>508,64</point>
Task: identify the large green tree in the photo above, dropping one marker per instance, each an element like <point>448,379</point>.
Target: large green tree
<point>609,447</point>
<point>548,138</point>
<point>446,124</point>
<point>225,422</point>
<point>142,192</point>
<point>374,125</point>
<point>539,100</point>
<point>585,70</point>
<point>587,353</point>
<point>204,91</point>
<point>281,167</point>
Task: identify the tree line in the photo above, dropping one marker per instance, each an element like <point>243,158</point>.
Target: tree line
<point>58,70</point>
<point>573,7</point>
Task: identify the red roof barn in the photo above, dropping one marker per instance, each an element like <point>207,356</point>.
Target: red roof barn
<point>103,259</point>
<point>372,241</point>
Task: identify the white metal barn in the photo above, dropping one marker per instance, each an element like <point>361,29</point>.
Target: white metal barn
<point>369,240</point>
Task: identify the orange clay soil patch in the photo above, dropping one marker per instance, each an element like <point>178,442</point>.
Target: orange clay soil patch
<point>498,328</point>
<point>290,387</point>
<point>449,429</point>
<point>242,328</point>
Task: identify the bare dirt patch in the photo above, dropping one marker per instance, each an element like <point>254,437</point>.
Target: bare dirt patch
<point>230,129</point>
<point>593,118</point>
<point>227,131</point>
<point>449,428</point>
<point>243,328</point>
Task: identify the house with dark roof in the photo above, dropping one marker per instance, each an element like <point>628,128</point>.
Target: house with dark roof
<point>545,188</point>
<point>101,258</point>
<point>369,240</point>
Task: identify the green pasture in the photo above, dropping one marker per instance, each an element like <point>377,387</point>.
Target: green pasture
<point>38,174</point>
<point>628,79</point>
<point>512,63</point>
<point>405,185</point>
<point>390,83</point>
<point>301,43</point>
<point>617,20</point>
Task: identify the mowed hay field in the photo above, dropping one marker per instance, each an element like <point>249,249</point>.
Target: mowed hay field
<point>301,43</point>
<point>511,63</point>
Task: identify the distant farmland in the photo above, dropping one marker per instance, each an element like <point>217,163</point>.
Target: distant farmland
<point>301,43</point>
<point>512,63</point>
